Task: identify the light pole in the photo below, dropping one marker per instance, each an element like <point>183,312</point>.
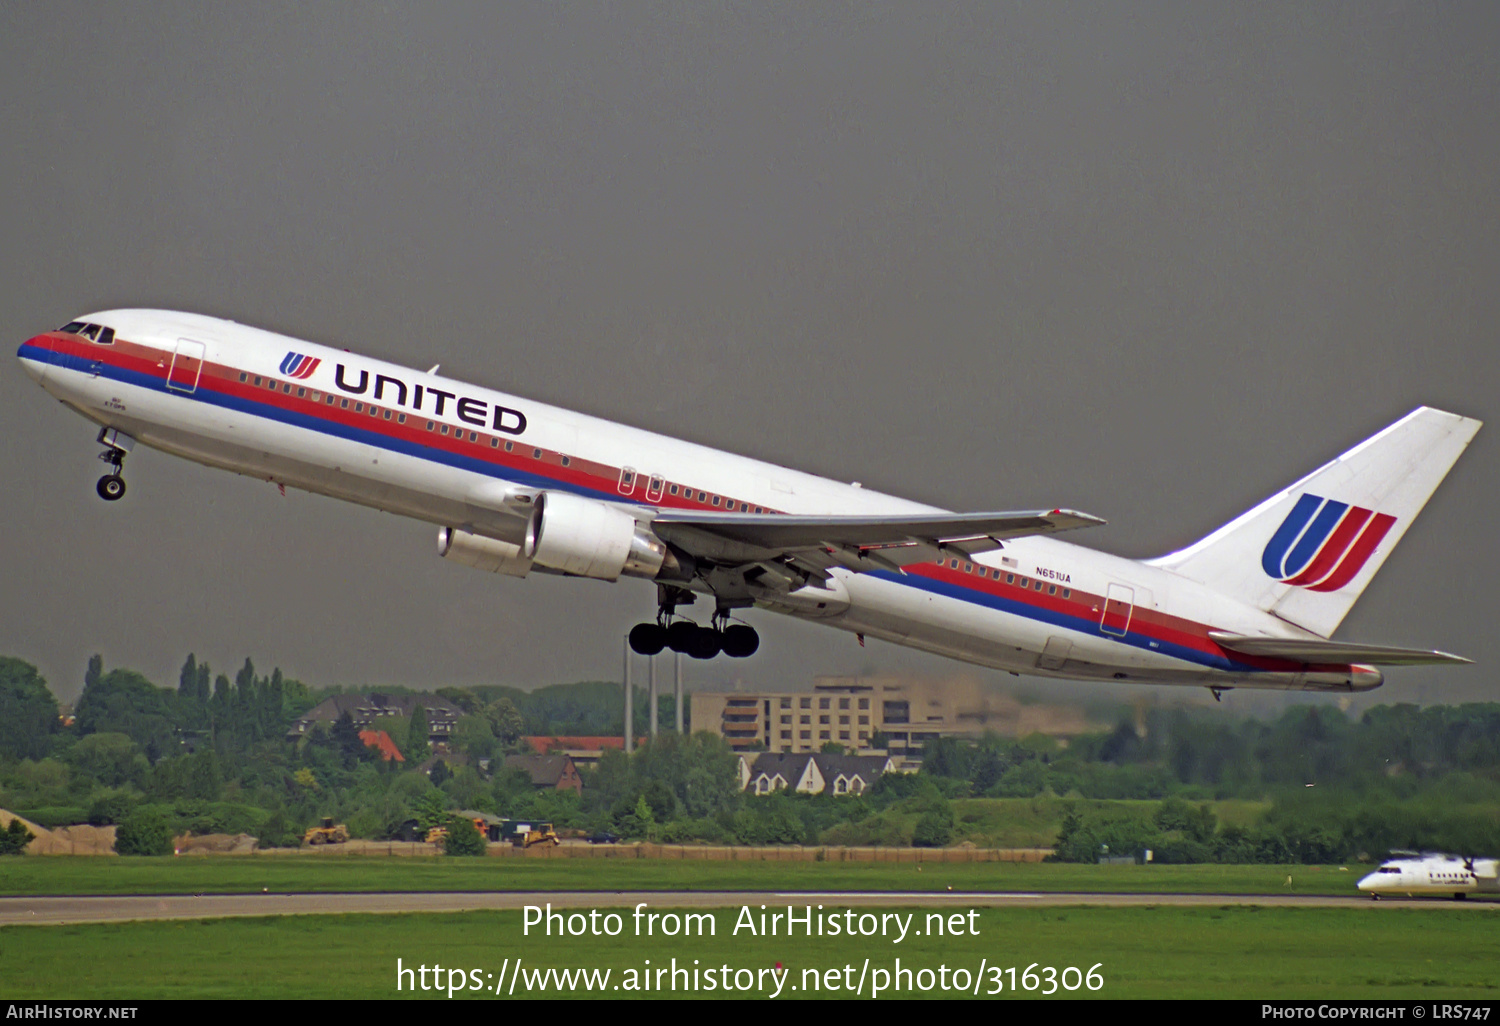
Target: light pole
<point>651,692</point>
<point>629,702</point>
<point>677,689</point>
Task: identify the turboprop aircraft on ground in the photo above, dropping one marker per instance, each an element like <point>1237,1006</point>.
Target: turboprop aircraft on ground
<point>1433,873</point>
<point>515,486</point>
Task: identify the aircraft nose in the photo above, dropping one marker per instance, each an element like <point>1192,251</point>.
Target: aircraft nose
<point>29,355</point>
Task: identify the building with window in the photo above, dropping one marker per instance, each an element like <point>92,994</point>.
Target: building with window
<point>369,712</point>
<point>891,714</point>
<point>812,774</point>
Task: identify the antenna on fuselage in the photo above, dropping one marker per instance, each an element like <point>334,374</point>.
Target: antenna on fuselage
<point>434,368</point>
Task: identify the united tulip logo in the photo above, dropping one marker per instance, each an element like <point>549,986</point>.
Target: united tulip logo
<point>1323,544</point>
<point>298,366</point>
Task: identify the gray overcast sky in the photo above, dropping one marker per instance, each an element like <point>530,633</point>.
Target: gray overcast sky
<point>1152,261</point>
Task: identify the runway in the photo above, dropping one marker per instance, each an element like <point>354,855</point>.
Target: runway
<point>65,910</point>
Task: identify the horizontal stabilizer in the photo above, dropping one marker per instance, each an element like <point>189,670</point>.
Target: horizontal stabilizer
<point>1314,650</point>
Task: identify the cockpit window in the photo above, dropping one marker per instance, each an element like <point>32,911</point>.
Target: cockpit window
<point>93,332</point>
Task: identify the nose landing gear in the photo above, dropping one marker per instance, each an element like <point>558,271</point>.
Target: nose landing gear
<point>734,640</point>
<point>111,486</point>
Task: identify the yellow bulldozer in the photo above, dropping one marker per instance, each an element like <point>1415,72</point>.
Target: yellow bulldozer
<point>328,833</point>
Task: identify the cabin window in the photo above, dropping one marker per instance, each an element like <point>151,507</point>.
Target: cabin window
<point>359,407</point>
<point>271,384</point>
<point>702,496</point>
<point>400,418</point>
<point>387,414</point>
<point>1067,593</point>
<point>343,404</point>
<point>673,489</point>
<point>953,564</point>
<point>242,375</point>
<point>1010,578</point>
<point>494,443</point>
<point>430,425</point>
<point>510,446</point>
<point>257,381</point>
<point>287,388</point>
<point>566,461</point>
<point>716,500</point>
<point>759,510</point>
<point>443,429</point>
<point>301,393</point>
<point>473,436</point>
<point>1037,585</point>
<point>968,568</point>
<point>1051,589</point>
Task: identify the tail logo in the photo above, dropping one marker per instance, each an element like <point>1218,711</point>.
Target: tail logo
<point>1323,544</point>
<point>298,366</point>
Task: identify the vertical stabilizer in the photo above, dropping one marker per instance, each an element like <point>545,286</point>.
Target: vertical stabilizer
<point>1307,552</point>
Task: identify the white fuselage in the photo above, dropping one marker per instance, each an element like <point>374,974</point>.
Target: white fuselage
<point>449,453</point>
<point>1444,875</point>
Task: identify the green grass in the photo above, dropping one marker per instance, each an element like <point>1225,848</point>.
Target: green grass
<point>240,874</point>
<point>1261,953</point>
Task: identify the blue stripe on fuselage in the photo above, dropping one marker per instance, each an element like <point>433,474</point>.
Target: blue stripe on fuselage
<point>474,465</point>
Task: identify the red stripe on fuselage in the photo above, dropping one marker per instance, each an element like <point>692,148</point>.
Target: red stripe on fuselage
<point>591,475</point>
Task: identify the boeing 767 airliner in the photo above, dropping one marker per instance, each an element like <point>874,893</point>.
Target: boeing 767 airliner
<point>515,486</point>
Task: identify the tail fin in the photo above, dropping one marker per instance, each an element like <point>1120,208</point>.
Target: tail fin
<point>1307,552</point>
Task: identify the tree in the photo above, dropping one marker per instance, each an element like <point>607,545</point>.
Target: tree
<point>15,838</point>
<point>505,722</point>
<point>144,832</point>
<point>347,741</point>
<point>110,758</point>
<point>639,823</point>
<point>418,740</point>
<point>462,838</point>
<point>28,712</point>
<point>123,701</point>
<point>431,809</point>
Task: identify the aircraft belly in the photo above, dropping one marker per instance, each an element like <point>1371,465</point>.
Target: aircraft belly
<point>976,633</point>
<point>289,455</point>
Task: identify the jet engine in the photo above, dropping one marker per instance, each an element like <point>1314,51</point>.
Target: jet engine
<point>569,534</point>
<point>588,538</point>
<point>482,553</point>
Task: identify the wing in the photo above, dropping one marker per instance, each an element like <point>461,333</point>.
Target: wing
<point>856,542</point>
<point>1315,650</point>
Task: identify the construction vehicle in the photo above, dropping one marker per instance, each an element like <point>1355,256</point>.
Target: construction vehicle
<point>436,834</point>
<point>525,833</point>
<point>328,833</point>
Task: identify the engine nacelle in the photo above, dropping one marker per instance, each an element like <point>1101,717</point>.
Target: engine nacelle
<point>588,538</point>
<point>482,553</point>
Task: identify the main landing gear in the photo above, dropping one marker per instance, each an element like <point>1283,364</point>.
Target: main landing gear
<point>112,485</point>
<point>736,640</point>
